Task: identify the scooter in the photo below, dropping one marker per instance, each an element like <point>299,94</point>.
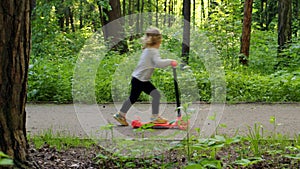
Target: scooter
<point>178,123</point>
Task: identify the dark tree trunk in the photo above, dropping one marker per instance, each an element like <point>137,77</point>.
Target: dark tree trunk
<point>61,15</point>
<point>137,23</point>
<point>81,15</point>
<point>246,33</point>
<point>271,12</point>
<point>194,14</point>
<point>101,15</point>
<point>261,14</point>
<point>186,31</point>
<point>203,10</point>
<point>284,23</point>
<point>72,20</point>
<point>170,12</point>
<point>142,18</point>
<point>113,29</point>
<point>165,12</point>
<point>67,17</point>
<point>14,60</point>
<point>150,10</point>
<point>130,11</point>
<point>296,19</point>
<point>124,8</point>
<point>156,14</point>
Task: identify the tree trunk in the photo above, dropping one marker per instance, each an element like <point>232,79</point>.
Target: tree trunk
<point>60,15</point>
<point>142,18</point>
<point>284,23</point>
<point>156,13</point>
<point>202,14</point>
<point>14,61</point>
<point>150,10</point>
<point>194,14</point>
<point>246,33</point>
<point>130,11</point>
<point>81,14</point>
<point>165,12</point>
<point>297,22</point>
<point>113,29</point>
<point>170,12</point>
<point>137,23</point>
<point>261,14</point>
<point>272,10</point>
<point>72,20</point>
<point>186,31</point>
<point>124,8</point>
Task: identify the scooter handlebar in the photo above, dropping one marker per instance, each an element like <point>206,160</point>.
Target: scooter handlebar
<point>173,63</point>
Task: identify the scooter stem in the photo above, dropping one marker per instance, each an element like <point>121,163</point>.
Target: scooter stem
<point>176,92</point>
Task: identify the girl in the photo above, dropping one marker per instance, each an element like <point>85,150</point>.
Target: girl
<point>150,59</point>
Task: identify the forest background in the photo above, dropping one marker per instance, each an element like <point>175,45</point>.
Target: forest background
<point>263,68</point>
<point>271,73</point>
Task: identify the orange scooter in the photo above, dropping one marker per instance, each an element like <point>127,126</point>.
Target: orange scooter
<point>178,123</point>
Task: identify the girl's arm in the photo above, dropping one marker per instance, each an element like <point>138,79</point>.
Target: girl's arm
<point>161,63</point>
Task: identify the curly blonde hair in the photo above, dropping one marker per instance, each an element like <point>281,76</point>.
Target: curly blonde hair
<point>151,38</point>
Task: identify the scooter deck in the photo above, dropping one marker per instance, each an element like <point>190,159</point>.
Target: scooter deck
<point>175,124</point>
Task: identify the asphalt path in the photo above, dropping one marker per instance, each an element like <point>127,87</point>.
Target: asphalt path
<point>85,121</point>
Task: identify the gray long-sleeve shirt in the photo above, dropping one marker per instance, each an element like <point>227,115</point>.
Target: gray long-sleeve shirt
<point>149,60</point>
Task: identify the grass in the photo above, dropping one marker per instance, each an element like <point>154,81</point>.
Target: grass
<point>257,149</point>
<point>59,140</point>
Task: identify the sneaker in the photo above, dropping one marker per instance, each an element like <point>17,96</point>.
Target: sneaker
<point>121,119</point>
<point>158,120</point>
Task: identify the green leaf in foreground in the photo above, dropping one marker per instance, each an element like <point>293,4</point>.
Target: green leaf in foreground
<point>5,159</point>
<point>249,161</point>
<point>293,156</point>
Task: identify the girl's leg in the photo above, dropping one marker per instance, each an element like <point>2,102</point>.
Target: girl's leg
<point>154,93</point>
<point>155,101</point>
<point>136,90</point>
<point>155,107</point>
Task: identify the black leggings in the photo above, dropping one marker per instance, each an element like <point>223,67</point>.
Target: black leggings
<point>137,87</point>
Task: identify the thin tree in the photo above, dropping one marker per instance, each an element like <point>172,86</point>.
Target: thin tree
<point>186,31</point>
<point>14,60</point>
<point>149,11</point>
<point>246,33</point>
<point>284,23</point>
<point>124,8</point>
<point>137,23</point>
<point>156,13</point>
<point>194,13</point>
<point>113,29</point>
<point>296,22</point>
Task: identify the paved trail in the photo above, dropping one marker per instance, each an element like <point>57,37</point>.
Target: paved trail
<point>88,120</point>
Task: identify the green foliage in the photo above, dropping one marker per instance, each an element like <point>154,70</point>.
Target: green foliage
<point>269,77</point>
<point>218,151</point>
<point>59,140</point>
<point>50,80</point>
<point>5,160</point>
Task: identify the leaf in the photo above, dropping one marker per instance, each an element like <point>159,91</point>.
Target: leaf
<point>101,156</point>
<point>293,156</point>
<point>3,155</point>
<point>6,161</point>
<point>249,161</point>
<point>210,163</point>
<point>194,166</point>
<point>272,119</point>
<point>243,162</point>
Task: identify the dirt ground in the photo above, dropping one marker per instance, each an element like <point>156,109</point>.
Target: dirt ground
<point>92,120</point>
